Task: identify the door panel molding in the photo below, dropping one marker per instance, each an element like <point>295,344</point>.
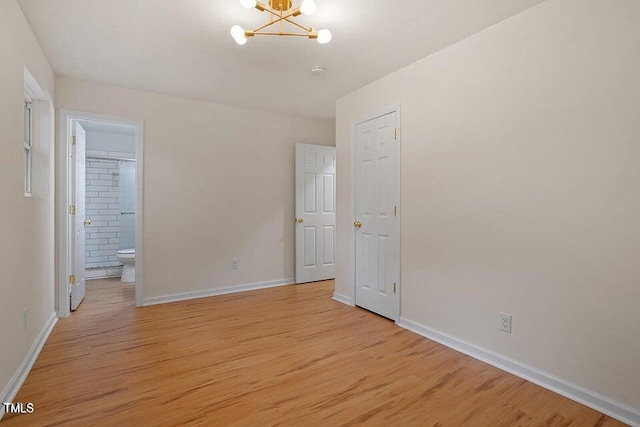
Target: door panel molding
<point>395,108</point>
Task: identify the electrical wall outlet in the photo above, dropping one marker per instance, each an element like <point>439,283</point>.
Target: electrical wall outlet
<point>25,318</point>
<point>504,322</point>
<point>234,264</point>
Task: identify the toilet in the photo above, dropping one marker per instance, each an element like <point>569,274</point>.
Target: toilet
<point>128,258</point>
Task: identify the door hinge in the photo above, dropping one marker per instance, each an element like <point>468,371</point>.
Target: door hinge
<point>72,210</point>
<point>395,134</point>
<point>394,288</point>
<point>72,140</point>
<point>72,279</point>
<point>395,211</point>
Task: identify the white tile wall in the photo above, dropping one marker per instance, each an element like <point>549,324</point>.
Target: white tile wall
<point>102,207</point>
<point>101,273</point>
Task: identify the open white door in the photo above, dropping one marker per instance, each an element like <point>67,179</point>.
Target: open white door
<point>315,212</point>
<point>376,223</point>
<point>78,219</point>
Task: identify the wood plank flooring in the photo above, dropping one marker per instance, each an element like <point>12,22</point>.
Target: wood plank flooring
<point>281,356</point>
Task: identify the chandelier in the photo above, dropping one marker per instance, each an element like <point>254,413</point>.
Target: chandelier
<point>280,11</point>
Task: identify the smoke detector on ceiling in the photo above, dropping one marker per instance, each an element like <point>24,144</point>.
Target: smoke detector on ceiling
<point>317,70</point>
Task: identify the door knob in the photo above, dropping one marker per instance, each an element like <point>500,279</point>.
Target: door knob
<point>357,224</point>
<point>300,220</point>
<point>87,222</point>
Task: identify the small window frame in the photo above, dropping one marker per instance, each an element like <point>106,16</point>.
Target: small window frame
<point>28,145</point>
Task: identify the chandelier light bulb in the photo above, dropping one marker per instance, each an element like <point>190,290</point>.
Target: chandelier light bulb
<point>241,40</point>
<point>324,36</point>
<point>248,4</point>
<point>308,7</point>
<point>237,32</point>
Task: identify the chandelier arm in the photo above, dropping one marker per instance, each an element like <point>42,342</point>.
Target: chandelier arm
<point>280,18</point>
<point>294,12</point>
<point>282,34</point>
<point>268,24</point>
<point>268,9</point>
<point>298,25</point>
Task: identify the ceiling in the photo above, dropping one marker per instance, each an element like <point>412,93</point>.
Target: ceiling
<point>107,127</point>
<point>183,48</point>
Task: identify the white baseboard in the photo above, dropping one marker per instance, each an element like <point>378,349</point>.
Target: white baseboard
<point>592,399</point>
<point>18,378</point>
<point>343,299</point>
<point>218,291</point>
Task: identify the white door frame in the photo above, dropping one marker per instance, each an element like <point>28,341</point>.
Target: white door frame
<point>65,191</point>
<point>379,113</point>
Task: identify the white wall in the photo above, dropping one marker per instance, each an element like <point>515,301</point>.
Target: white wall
<point>520,174</point>
<point>26,224</point>
<point>219,184</point>
<point>110,142</point>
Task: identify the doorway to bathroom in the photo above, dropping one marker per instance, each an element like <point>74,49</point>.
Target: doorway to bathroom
<point>110,159</point>
<point>101,193</point>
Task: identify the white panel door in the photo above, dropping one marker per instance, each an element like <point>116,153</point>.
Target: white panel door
<point>315,212</point>
<point>376,230</point>
<point>78,220</point>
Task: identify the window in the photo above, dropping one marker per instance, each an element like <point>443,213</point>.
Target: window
<point>37,140</point>
<point>28,136</point>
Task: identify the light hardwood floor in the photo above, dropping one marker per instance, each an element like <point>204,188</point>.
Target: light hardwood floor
<point>281,356</point>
